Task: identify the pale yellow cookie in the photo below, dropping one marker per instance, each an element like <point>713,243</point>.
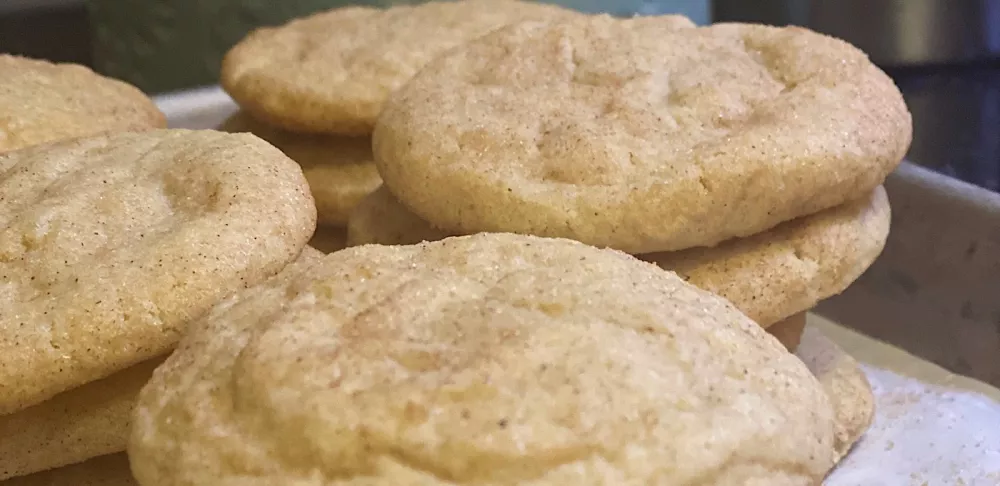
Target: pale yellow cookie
<point>42,102</point>
<point>111,470</point>
<point>84,422</point>
<point>381,219</point>
<point>769,276</point>
<point>111,244</point>
<point>846,385</point>
<point>637,135</point>
<point>339,169</point>
<point>488,359</point>
<point>792,267</point>
<point>332,71</point>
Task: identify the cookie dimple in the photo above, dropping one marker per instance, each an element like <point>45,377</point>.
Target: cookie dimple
<point>111,244</point>
<point>574,154</point>
<point>43,102</point>
<point>641,134</point>
<point>486,359</point>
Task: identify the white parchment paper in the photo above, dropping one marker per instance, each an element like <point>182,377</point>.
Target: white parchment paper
<point>931,427</point>
<point>924,435</point>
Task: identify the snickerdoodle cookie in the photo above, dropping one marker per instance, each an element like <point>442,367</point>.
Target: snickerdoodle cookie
<point>111,244</point>
<point>845,383</point>
<point>110,470</point>
<point>88,421</point>
<point>43,102</point>
<point>793,266</point>
<point>485,359</point>
<point>769,276</point>
<point>340,170</point>
<point>638,135</point>
<point>76,425</point>
<point>331,72</point>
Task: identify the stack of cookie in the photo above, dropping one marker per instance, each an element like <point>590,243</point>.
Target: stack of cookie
<point>546,150</point>
<point>774,277</point>
<point>748,159</point>
<point>43,102</point>
<point>315,86</point>
<point>111,245</point>
<point>112,241</point>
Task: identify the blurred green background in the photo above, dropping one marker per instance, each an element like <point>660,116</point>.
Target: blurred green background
<point>168,45</point>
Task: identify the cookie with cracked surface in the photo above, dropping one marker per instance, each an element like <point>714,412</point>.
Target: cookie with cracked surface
<point>87,421</point>
<point>43,102</point>
<point>111,244</point>
<point>769,276</point>
<point>846,385</point>
<point>340,170</point>
<point>110,470</point>
<point>332,71</point>
<point>488,359</point>
<point>633,134</point>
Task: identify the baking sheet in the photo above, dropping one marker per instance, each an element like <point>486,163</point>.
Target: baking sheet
<point>932,427</point>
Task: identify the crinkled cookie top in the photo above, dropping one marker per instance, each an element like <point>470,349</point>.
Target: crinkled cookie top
<point>491,359</point>
<point>43,102</point>
<point>110,245</point>
<point>639,134</point>
<point>332,71</point>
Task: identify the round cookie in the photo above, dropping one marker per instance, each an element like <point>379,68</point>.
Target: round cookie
<point>110,470</point>
<point>637,135</point>
<point>845,384</point>
<point>111,244</point>
<point>42,102</point>
<point>381,219</point>
<point>87,421</point>
<point>340,170</point>
<point>486,359</point>
<point>769,276</point>
<point>332,71</point>
<point>792,267</point>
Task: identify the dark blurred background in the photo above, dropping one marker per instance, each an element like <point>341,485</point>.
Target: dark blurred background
<point>167,45</point>
<point>944,54</point>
